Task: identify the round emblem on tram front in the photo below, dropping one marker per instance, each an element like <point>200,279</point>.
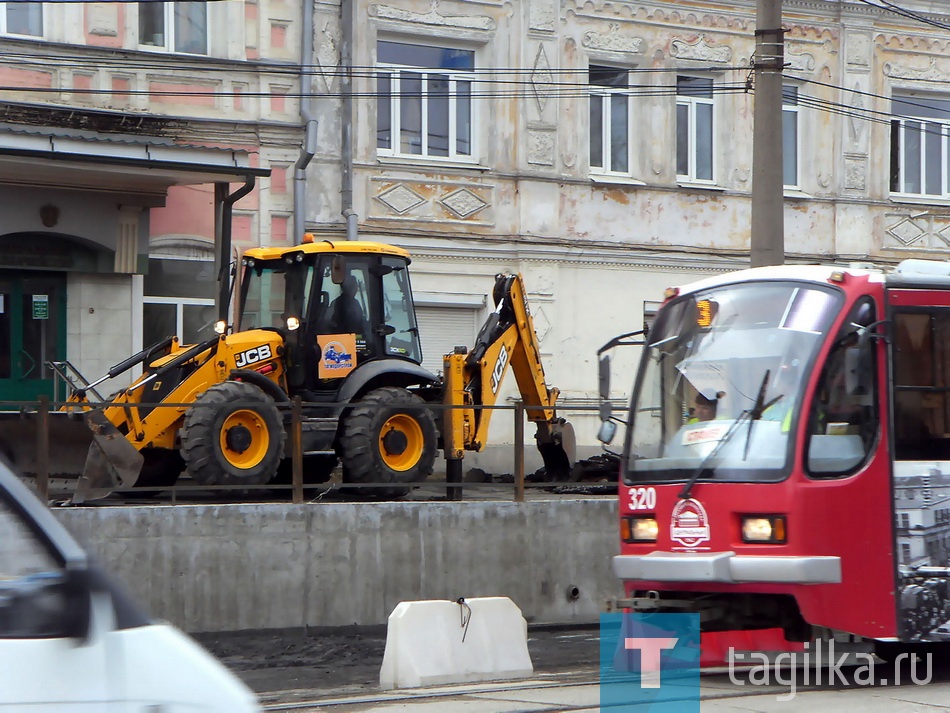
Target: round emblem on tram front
<point>690,524</point>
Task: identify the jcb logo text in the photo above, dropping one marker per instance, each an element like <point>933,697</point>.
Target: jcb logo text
<point>499,369</point>
<point>252,356</point>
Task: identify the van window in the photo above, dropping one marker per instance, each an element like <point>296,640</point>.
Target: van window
<point>32,590</point>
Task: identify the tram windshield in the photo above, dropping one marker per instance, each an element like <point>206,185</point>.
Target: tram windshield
<point>721,382</point>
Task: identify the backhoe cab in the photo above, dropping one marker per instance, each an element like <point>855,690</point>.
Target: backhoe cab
<point>332,323</point>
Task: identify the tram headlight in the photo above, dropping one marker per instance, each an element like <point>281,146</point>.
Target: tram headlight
<point>639,529</point>
<point>764,528</point>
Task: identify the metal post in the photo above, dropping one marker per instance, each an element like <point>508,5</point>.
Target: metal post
<point>453,477</point>
<point>42,448</point>
<point>519,452</point>
<point>768,196</point>
<point>296,414</point>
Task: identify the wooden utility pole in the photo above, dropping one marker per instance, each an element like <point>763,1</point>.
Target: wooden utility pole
<point>768,197</point>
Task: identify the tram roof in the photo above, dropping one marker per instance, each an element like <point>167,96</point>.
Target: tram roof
<point>821,274</point>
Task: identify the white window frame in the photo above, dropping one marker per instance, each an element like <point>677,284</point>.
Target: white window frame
<point>179,304</point>
<point>606,93</point>
<point>792,110</point>
<point>3,20</point>
<point>691,102</point>
<point>395,115</point>
<point>170,9</point>
<point>904,125</point>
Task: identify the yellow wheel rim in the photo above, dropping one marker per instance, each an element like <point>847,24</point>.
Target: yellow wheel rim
<point>401,442</point>
<point>244,439</point>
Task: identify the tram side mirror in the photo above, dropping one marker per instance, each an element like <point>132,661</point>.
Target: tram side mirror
<point>858,370</point>
<point>603,378</point>
<point>606,432</point>
<point>608,429</point>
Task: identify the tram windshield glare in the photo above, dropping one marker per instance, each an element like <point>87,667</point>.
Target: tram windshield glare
<point>721,382</point>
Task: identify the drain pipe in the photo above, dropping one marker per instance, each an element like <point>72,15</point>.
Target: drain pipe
<point>346,118</point>
<point>223,212</point>
<point>309,147</point>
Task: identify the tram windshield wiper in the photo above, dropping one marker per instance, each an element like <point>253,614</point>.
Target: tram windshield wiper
<point>752,415</point>
<point>758,408</point>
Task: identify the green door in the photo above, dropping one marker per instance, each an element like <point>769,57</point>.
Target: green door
<point>32,332</point>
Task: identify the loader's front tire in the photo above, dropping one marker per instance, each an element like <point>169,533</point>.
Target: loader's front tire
<point>388,437</point>
<point>233,435</point>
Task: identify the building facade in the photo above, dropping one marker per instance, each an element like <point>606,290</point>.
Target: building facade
<point>604,149</point>
<point>124,129</point>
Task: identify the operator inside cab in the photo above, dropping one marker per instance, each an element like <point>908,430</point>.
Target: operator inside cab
<point>343,302</point>
<point>345,315</point>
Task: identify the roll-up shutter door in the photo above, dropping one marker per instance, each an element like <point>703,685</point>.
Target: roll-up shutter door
<point>441,329</point>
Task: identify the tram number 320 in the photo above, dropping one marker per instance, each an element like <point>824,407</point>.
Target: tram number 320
<point>642,498</point>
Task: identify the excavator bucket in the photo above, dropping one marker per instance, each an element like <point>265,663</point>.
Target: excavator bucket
<point>86,458</point>
<point>557,446</point>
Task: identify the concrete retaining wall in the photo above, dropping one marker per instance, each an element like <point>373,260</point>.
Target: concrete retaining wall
<point>263,566</point>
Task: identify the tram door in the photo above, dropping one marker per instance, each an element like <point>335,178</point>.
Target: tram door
<point>32,332</point>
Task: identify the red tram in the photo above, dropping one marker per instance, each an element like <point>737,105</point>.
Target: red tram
<point>786,461</point>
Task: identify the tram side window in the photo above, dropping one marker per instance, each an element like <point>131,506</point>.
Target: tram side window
<point>844,418</point>
<point>921,385</point>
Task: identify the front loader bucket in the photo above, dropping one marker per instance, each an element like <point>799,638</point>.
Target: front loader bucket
<point>557,446</point>
<point>111,462</point>
<point>69,439</point>
<point>77,456</point>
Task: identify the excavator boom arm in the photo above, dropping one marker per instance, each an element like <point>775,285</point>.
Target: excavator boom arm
<point>473,382</point>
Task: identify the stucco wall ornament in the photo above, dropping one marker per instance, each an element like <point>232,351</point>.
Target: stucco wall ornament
<point>542,80</point>
<point>463,203</point>
<point>906,231</point>
<point>701,50</point>
<point>799,61</point>
<point>541,146</point>
<point>434,17</point>
<point>400,199</point>
<point>944,235</point>
<point>857,122</point>
<point>931,74</point>
<point>542,15</point>
<point>858,49</point>
<point>327,57</point>
<point>613,41</point>
<point>855,173</point>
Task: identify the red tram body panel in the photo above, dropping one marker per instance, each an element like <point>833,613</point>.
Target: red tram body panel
<point>786,460</point>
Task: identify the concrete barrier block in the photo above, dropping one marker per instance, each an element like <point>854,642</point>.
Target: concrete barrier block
<point>434,642</point>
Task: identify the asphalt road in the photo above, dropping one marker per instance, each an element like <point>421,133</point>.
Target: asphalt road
<point>339,672</point>
<point>293,664</point>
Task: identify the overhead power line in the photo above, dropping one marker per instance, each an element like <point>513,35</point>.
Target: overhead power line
<point>904,12</point>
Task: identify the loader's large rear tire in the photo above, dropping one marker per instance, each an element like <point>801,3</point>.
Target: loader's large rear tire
<point>232,435</point>
<point>388,437</point>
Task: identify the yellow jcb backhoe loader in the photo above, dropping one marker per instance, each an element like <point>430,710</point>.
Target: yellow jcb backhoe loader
<point>333,323</point>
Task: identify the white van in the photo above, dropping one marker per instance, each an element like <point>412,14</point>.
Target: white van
<point>71,640</point>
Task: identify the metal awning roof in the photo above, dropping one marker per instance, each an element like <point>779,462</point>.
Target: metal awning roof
<point>70,158</point>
